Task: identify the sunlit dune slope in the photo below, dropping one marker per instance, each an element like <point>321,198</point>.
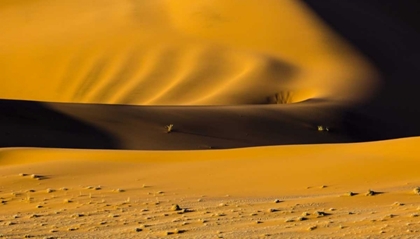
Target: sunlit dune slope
<point>264,171</point>
<point>167,52</point>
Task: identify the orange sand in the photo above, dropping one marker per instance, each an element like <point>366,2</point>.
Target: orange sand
<point>175,53</point>
<point>224,190</point>
<point>185,53</point>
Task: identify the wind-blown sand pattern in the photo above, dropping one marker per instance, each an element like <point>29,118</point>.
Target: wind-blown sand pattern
<point>175,53</point>
<point>209,119</point>
<point>296,191</point>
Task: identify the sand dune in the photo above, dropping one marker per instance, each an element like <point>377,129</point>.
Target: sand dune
<point>113,74</point>
<point>83,193</point>
<point>194,127</point>
<point>175,53</point>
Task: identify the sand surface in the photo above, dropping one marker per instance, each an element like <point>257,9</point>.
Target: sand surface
<point>129,194</point>
<point>287,119</point>
<point>175,53</point>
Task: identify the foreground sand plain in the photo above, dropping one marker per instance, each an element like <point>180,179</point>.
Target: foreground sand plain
<point>281,191</point>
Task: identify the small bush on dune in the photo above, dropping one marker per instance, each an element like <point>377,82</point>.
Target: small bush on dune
<point>169,128</point>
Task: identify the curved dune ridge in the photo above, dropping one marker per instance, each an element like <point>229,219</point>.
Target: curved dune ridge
<point>175,53</point>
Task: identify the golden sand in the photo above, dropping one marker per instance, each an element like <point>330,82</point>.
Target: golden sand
<point>175,53</point>
<point>278,191</point>
<point>183,52</point>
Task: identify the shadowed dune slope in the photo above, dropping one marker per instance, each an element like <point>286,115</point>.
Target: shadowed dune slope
<point>175,53</point>
<point>195,127</point>
<point>36,125</point>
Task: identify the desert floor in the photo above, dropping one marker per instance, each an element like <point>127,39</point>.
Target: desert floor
<point>315,191</point>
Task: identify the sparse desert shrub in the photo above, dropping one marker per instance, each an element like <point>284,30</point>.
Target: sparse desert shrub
<point>284,97</point>
<point>169,128</point>
<point>323,128</point>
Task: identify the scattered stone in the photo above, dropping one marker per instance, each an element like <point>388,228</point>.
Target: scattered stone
<point>350,194</point>
<point>312,228</point>
<point>320,214</point>
<point>177,231</point>
<point>416,190</point>
<point>277,201</point>
<point>138,229</point>
<point>176,207</point>
<point>371,193</point>
<point>37,177</point>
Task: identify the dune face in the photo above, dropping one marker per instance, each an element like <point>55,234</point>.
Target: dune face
<point>175,53</point>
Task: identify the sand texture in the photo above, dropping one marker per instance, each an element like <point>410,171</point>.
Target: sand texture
<point>209,119</point>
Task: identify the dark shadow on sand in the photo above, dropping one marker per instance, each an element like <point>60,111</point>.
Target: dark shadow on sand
<point>32,124</point>
<point>387,32</point>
